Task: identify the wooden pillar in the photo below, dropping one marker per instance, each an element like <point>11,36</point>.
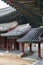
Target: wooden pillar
<point>0,39</point>
<point>30,47</point>
<point>6,43</point>
<point>21,45</point>
<point>11,46</point>
<point>16,45</point>
<point>39,50</point>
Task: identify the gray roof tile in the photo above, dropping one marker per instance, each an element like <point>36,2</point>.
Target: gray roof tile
<point>32,36</point>
<point>19,31</point>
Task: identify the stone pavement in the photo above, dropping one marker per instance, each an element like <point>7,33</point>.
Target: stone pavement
<point>40,62</point>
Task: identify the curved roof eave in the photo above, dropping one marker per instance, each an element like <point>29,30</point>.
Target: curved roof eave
<point>6,11</point>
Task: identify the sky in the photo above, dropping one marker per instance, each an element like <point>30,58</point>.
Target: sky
<point>3,5</point>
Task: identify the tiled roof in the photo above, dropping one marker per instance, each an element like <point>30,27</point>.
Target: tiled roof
<point>7,26</point>
<point>19,31</point>
<point>32,36</point>
<point>6,11</point>
<point>31,9</point>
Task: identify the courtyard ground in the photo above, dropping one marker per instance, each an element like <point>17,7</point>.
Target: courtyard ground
<point>14,61</point>
<point>13,57</point>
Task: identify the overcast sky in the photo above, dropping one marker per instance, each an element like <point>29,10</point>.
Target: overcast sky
<point>3,5</point>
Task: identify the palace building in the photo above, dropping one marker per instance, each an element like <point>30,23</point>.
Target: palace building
<point>21,22</point>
